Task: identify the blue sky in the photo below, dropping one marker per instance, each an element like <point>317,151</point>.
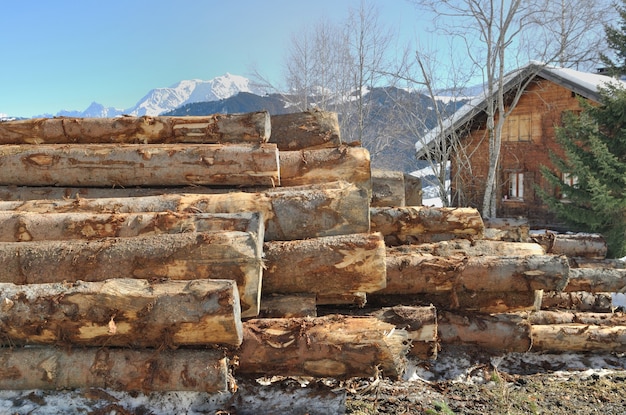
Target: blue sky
<point>65,54</point>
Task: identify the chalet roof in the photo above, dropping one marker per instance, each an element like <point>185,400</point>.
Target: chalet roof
<point>582,83</point>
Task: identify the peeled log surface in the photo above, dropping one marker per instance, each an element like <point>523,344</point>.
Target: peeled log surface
<point>125,165</point>
<point>251,127</point>
<point>580,300</point>
<point>502,332</point>
<point>50,368</point>
<point>335,208</point>
<point>480,247</point>
<point>544,317</point>
<point>409,273</point>
<point>596,280</point>
<point>329,265</point>
<point>350,164</point>
<point>477,302</point>
<point>185,256</point>
<point>27,226</point>
<point>573,245</point>
<point>579,338</point>
<point>332,346</point>
<point>420,224</point>
<point>507,229</point>
<point>387,188</point>
<point>305,130</point>
<point>122,312</point>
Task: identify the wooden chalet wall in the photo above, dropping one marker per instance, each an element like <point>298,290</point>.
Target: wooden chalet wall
<point>544,102</point>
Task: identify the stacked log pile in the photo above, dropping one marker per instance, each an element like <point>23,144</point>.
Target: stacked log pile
<point>188,244</point>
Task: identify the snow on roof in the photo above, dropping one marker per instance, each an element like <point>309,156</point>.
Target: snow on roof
<point>583,83</point>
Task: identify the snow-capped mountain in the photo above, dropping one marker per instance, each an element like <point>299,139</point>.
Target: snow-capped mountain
<point>160,100</point>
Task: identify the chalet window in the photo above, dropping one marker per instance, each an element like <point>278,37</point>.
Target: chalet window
<point>520,127</point>
<point>570,180</point>
<point>516,186</point>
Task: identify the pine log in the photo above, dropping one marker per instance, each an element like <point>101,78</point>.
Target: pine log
<point>501,332</point>
<point>125,165</point>
<point>288,305</point>
<point>507,229</point>
<point>335,208</point>
<point>409,273</point>
<point>350,164</point>
<point>573,245</point>
<point>480,247</point>
<point>580,300</point>
<point>332,346</point>
<point>579,262</point>
<point>186,256</point>
<point>596,280</point>
<point>305,130</point>
<point>412,190</point>
<point>122,312</point>
<point>545,317</point>
<point>387,188</point>
<point>328,266</point>
<point>425,350</point>
<point>251,127</point>
<point>412,224</point>
<point>477,302</point>
<point>579,338</point>
<point>50,368</point>
<point>28,226</point>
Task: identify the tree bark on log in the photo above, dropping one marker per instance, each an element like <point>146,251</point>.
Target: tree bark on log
<point>507,229</point>
<point>579,338</point>
<point>573,245</point>
<point>335,208</point>
<point>358,299</point>
<point>125,165</point>
<point>332,346</point>
<point>410,224</point>
<point>288,305</point>
<point>544,317</point>
<point>596,280</point>
<point>387,188</point>
<point>122,312</point>
<point>408,273</point>
<point>251,127</point>
<point>305,130</point>
<point>349,164</point>
<point>477,302</point>
<point>329,265</point>
<point>480,247</point>
<point>187,256</point>
<point>50,368</point>
<point>580,300</point>
<point>501,332</point>
<point>27,226</point>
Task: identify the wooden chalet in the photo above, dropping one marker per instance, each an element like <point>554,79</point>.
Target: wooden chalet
<point>528,137</point>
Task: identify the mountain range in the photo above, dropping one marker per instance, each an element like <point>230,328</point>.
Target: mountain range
<point>160,100</point>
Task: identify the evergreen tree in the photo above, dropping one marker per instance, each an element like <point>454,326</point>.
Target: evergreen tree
<point>594,144</point>
<point>616,39</point>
